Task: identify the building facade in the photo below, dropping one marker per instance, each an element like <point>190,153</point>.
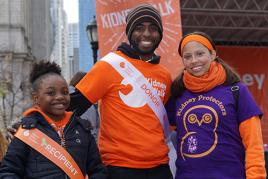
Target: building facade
<point>87,10</point>
<point>25,36</point>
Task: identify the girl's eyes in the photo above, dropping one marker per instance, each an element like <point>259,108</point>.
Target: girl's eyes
<point>53,93</point>
<point>50,93</point>
<point>65,92</point>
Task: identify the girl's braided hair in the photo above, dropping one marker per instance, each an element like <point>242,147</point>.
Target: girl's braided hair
<point>41,69</point>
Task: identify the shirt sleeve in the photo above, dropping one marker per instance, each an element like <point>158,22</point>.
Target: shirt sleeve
<point>247,107</point>
<point>171,111</point>
<point>250,131</point>
<point>97,81</point>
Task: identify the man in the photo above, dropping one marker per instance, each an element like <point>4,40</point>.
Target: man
<point>131,138</point>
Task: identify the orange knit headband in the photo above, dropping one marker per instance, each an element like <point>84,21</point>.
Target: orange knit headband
<point>195,37</point>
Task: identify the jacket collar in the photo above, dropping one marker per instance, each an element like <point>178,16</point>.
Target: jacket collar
<point>130,52</point>
<point>34,118</point>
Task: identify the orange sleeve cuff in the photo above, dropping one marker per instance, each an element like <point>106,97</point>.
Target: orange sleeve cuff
<point>250,132</point>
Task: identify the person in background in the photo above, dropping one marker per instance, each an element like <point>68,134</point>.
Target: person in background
<point>3,146</point>
<point>218,122</point>
<point>51,143</point>
<point>131,139</point>
<point>91,113</point>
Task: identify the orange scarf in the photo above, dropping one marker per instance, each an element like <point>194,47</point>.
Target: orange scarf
<point>214,77</point>
<point>57,125</point>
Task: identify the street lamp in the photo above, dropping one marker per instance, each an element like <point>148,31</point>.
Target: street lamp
<point>92,35</point>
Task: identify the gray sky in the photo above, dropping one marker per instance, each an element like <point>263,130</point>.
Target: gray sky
<point>71,8</point>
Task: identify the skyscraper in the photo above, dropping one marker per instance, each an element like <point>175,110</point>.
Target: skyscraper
<point>59,19</point>
<point>87,9</point>
<point>73,46</point>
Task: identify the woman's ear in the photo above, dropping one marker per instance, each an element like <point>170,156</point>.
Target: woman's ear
<point>213,55</point>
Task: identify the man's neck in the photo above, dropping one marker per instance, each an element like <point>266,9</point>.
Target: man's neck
<point>146,58</point>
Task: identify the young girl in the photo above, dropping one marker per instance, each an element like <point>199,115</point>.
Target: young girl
<point>51,142</point>
<point>219,133</point>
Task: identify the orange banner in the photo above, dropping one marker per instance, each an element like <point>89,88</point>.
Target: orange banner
<point>252,65</point>
<point>111,15</point>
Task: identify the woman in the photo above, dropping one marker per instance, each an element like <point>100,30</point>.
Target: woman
<point>219,136</point>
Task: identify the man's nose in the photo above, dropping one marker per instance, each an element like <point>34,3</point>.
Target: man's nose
<point>146,32</point>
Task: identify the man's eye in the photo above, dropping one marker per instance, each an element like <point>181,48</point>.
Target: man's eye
<point>139,28</point>
<point>153,28</point>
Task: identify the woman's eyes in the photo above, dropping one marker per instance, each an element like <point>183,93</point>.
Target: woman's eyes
<point>199,54</point>
<point>187,57</point>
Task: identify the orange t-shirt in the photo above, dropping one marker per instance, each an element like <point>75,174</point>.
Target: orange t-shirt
<point>130,133</point>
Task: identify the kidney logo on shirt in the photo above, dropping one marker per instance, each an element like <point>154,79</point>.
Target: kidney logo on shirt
<point>134,98</point>
<point>200,123</point>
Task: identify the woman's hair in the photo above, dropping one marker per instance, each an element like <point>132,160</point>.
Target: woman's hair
<point>178,87</point>
<point>40,69</point>
<point>77,77</point>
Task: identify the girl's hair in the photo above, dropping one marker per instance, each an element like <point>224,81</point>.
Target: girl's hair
<point>178,87</point>
<point>41,69</point>
<point>77,77</point>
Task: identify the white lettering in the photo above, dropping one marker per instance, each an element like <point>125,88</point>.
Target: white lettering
<point>56,154</point>
<point>61,157</point>
<point>247,79</point>
<point>114,19</point>
<point>259,79</point>
<point>103,20</point>
<point>48,147</point>
<point>150,94</point>
<point>253,79</point>
<point>164,8</point>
